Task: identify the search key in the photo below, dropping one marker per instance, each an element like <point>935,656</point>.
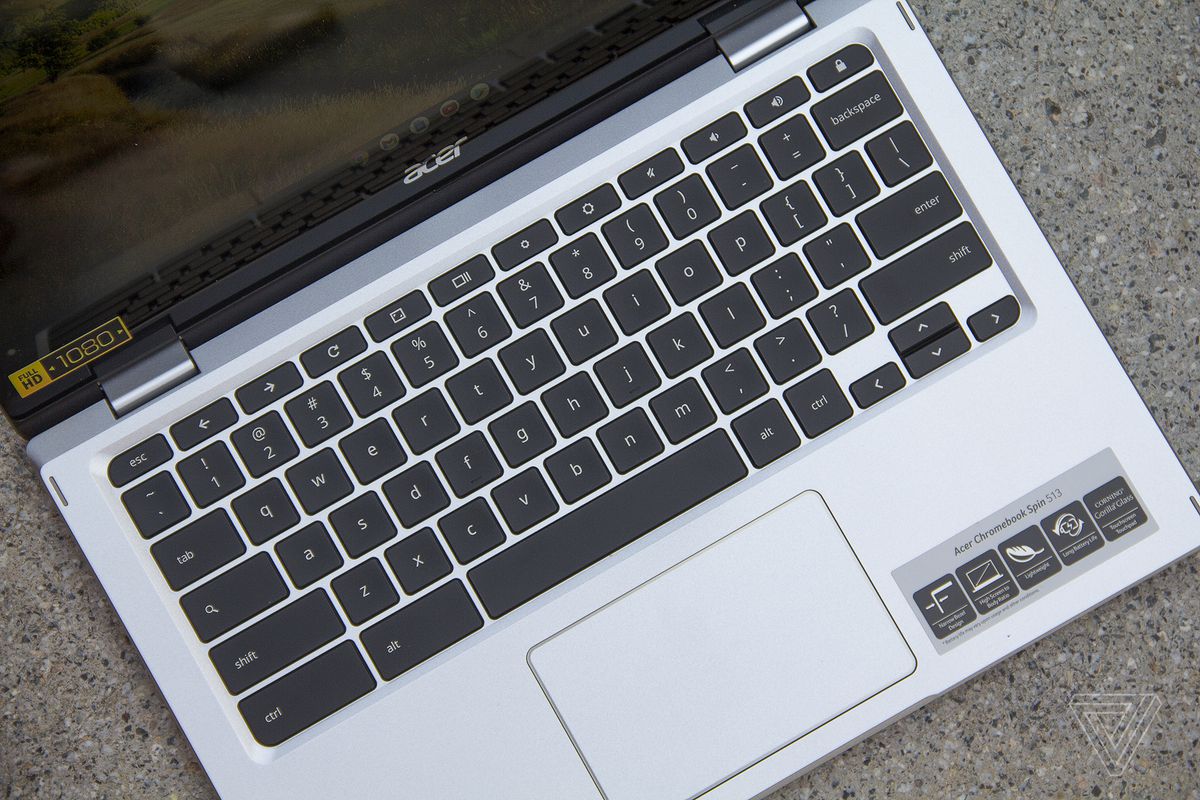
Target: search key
<point>233,597</point>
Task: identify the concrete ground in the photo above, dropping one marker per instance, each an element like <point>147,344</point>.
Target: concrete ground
<point>1095,108</point>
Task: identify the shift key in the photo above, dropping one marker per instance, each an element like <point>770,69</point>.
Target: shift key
<point>927,272</point>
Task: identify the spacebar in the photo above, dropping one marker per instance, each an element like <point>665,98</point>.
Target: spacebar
<point>606,524</point>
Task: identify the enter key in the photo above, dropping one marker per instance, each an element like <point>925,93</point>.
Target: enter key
<point>909,215</point>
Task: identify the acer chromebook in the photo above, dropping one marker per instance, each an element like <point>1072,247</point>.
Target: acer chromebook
<point>567,401</point>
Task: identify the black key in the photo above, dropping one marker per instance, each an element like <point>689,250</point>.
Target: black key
<point>596,204</point>
<point>471,530</point>
<point>426,421</point>
<point>319,481</point>
<point>683,411</point>
<point>930,270</point>
<point>521,434</point>
<point>424,354</point>
<point>273,643</point>
<point>307,695</point>
<point>842,65</point>
<point>524,500</point>
<point>373,451</point>
<point>857,110</point>
<point>840,321</point>
<point>765,433</point>
<point>233,597</point>
<point>584,332</point>
<point>362,524</point>
<point>636,302</point>
<point>583,265</point>
<point>197,549</point>
<point>574,404</point>
<point>909,215</point>
<point>578,470</point>
<point>877,385</point>
<point>265,511</point>
<point>650,174</point>
<point>937,353</point>
<point>469,464</point>
<point>532,362</point>
<point>333,352</point>
<point>712,139</point>
<point>371,384</point>
<point>679,345</point>
<point>461,281</point>
<point>204,424</point>
<point>630,440</point>
<point>787,96</point>
<point>139,460</point>
<point>792,147</point>
<point>478,324</point>
<point>930,324</point>
<point>398,316</point>
<point>739,177</point>
<point>741,243</point>
<point>818,403</point>
<point>421,630</point>
<point>846,184</point>
<point>365,591</point>
<point>416,495</point>
<point>627,374</point>
<point>735,381</point>
<point>210,474</point>
<point>999,316</point>
<point>899,154</point>
<point>155,505</point>
<point>530,295</point>
<point>308,555</point>
<point>635,236</point>
<point>836,256</point>
<point>794,213</point>
<point>689,272</point>
<point>479,391</point>
<point>732,315</point>
<point>524,245</point>
<point>787,351</point>
<point>318,413</point>
<point>630,510</point>
<point>784,285</point>
<point>687,206</point>
<point>266,389</point>
<point>418,561</point>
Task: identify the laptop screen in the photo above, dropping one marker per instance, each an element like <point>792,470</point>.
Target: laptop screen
<point>149,147</point>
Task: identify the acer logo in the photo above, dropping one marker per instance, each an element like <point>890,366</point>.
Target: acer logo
<point>435,160</point>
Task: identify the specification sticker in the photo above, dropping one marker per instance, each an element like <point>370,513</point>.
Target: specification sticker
<point>1027,549</point>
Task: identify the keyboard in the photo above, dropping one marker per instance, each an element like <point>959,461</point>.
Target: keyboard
<point>355,511</point>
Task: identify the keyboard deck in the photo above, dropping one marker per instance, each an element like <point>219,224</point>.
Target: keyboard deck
<point>481,439</point>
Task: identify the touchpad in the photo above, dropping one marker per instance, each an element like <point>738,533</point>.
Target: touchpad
<point>723,659</point>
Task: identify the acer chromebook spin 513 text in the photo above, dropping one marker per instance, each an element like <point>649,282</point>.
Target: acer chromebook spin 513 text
<point>518,402</point>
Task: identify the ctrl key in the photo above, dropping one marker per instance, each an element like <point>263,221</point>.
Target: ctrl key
<point>307,695</point>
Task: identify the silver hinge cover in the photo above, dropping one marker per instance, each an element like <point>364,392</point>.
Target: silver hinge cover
<point>748,38</point>
<point>149,377</point>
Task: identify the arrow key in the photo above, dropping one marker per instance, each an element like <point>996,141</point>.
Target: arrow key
<point>204,424</point>
<point>932,355</point>
<point>266,389</point>
<point>923,328</point>
<point>999,316</point>
<point>881,383</point>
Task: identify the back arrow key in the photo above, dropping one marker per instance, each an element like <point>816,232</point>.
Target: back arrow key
<point>882,383</point>
<point>204,424</point>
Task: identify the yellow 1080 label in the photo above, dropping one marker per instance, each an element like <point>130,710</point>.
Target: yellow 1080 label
<point>70,357</point>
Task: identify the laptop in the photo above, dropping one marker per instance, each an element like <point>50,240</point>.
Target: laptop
<point>615,401</point>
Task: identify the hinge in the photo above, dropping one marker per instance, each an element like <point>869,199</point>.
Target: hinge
<point>748,31</point>
<point>148,367</point>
